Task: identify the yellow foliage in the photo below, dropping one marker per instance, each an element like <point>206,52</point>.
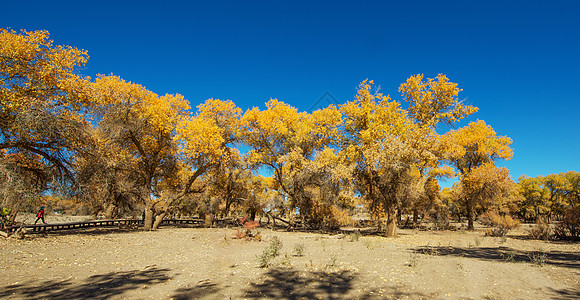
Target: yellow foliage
<point>206,135</point>
<point>435,100</point>
<point>442,172</point>
<point>163,113</point>
<point>475,144</point>
<point>35,69</point>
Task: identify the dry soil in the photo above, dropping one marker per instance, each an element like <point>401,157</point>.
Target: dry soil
<point>207,263</point>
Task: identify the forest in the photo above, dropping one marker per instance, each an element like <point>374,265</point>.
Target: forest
<point>109,147</point>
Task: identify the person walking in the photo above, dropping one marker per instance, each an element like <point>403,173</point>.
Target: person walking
<point>40,215</point>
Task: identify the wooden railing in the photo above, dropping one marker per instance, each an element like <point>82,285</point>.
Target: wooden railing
<point>101,223</point>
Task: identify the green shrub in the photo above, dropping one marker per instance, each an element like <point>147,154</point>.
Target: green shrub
<point>299,249</point>
<point>354,236</point>
<point>270,252</point>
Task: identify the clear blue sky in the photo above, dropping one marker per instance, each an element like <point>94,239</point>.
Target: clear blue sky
<point>518,61</point>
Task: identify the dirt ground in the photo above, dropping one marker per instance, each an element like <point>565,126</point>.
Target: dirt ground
<point>207,263</point>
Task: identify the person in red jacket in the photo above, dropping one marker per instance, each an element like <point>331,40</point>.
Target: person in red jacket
<point>40,215</point>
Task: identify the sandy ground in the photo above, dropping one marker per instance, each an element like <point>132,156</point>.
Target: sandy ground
<point>207,263</point>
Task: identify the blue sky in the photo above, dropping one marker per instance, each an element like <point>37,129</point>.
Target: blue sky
<point>518,61</point>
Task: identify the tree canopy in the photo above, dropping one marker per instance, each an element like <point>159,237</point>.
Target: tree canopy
<point>118,147</point>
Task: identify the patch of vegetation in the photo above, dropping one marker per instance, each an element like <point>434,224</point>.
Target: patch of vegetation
<point>413,260</point>
<point>249,232</point>
<point>270,252</point>
<point>538,258</point>
<point>541,231</point>
<point>501,225</point>
<point>569,227</point>
<point>509,257</point>
<point>332,262</point>
<point>354,236</point>
<point>299,249</point>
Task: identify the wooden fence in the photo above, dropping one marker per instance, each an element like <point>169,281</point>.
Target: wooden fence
<point>37,228</point>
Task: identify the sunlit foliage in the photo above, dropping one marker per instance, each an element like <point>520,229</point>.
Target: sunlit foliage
<point>42,100</point>
<point>117,147</point>
<point>473,150</point>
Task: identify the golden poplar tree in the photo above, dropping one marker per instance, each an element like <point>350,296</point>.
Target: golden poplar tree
<point>42,100</point>
<point>387,142</point>
<point>286,140</point>
<point>473,150</point>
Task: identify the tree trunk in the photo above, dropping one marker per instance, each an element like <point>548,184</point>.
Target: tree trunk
<point>110,211</point>
<point>148,222</point>
<point>165,210</point>
<point>226,210</point>
<point>158,219</point>
<point>391,229</point>
<point>415,217</point>
<point>470,217</point>
<point>253,215</point>
<point>209,220</point>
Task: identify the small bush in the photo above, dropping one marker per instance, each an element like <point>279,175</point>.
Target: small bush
<point>332,262</point>
<point>413,259</point>
<point>501,224</point>
<point>569,227</point>
<point>270,252</point>
<point>249,231</point>
<point>265,258</point>
<point>354,236</point>
<point>538,259</point>
<point>509,257</point>
<point>276,245</point>
<point>540,232</point>
<point>299,249</point>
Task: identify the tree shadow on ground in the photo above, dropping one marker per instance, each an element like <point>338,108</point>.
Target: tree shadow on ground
<point>95,287</point>
<point>281,283</point>
<point>202,289</point>
<point>506,254</point>
<point>551,240</point>
<point>570,293</point>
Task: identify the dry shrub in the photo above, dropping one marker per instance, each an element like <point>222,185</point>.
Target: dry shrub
<point>541,231</point>
<point>251,225</point>
<point>328,216</point>
<point>249,231</point>
<point>501,225</point>
<point>569,227</point>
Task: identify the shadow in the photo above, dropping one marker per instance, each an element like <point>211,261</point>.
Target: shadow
<point>396,293</point>
<point>291,284</point>
<point>505,254</point>
<point>570,293</point>
<point>95,287</point>
<point>202,289</point>
<point>552,240</point>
